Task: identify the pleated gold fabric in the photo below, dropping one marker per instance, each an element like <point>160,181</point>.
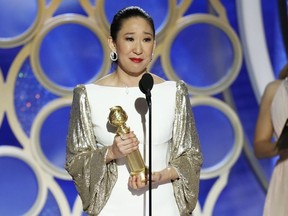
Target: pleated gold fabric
<point>186,154</point>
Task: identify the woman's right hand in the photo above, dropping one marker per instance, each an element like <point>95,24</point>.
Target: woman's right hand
<point>122,146</point>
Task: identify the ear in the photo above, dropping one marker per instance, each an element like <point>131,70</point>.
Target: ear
<point>154,47</point>
<point>111,44</point>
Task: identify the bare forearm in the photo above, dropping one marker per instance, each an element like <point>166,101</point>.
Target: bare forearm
<point>265,149</point>
<point>109,155</point>
<point>168,174</point>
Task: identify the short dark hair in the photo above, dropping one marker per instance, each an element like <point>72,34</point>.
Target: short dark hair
<point>126,13</point>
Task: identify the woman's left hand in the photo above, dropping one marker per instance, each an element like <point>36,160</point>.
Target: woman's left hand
<point>161,177</point>
<point>136,183</point>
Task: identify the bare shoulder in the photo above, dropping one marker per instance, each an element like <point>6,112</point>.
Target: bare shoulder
<point>272,87</point>
<point>270,91</point>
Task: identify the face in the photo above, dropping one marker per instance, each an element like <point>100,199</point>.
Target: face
<point>134,46</point>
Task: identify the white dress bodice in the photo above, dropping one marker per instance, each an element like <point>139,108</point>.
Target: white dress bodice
<point>133,102</point>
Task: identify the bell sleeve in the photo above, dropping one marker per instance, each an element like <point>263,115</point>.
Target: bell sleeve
<point>185,155</point>
<point>86,159</point>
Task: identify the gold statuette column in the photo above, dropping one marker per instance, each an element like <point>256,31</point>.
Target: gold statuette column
<point>136,165</point>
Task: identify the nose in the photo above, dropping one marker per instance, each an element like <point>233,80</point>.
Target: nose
<point>138,49</point>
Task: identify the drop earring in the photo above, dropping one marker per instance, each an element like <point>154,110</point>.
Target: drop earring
<point>113,56</point>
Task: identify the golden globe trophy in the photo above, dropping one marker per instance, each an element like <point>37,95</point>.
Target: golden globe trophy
<point>136,165</point>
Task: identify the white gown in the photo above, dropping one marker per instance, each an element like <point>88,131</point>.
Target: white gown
<point>133,101</point>
<point>277,195</point>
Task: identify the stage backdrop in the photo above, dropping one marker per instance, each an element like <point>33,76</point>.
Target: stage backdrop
<point>226,51</point>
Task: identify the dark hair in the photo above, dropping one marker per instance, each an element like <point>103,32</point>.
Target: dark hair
<point>284,72</point>
<point>126,13</point>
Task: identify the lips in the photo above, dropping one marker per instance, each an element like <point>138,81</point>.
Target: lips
<point>136,60</point>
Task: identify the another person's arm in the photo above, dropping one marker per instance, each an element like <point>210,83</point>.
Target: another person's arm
<point>263,145</point>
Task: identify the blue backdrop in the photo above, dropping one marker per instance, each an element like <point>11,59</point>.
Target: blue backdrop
<point>47,47</point>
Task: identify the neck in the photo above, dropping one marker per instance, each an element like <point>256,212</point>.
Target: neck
<point>126,80</point>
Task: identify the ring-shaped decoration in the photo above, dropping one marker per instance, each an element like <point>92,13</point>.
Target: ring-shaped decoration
<point>228,161</point>
<point>52,23</point>
<point>2,93</point>
<point>35,138</point>
<point>160,32</point>
<point>208,19</point>
<point>29,33</point>
<point>10,85</point>
<point>40,199</point>
<point>184,5</point>
<point>77,208</point>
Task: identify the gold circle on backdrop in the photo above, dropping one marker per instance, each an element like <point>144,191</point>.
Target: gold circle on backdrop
<point>29,33</point>
<point>171,18</point>
<point>55,22</point>
<point>183,5</point>
<point>35,137</point>
<point>14,152</point>
<point>77,209</point>
<point>2,93</point>
<point>229,160</point>
<point>184,22</point>
<point>12,117</point>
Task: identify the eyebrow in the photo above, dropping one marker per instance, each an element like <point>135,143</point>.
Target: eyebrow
<point>146,33</point>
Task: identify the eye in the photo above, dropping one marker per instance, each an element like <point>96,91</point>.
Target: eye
<point>129,39</point>
<point>147,39</point>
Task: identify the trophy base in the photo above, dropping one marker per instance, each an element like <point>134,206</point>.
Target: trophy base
<point>141,174</point>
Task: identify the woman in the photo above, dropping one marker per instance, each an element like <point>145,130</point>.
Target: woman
<point>272,117</point>
<point>96,158</point>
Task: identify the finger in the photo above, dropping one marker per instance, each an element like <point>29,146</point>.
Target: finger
<point>130,135</point>
<point>131,181</point>
<point>135,140</point>
<point>122,137</point>
<point>134,182</point>
<point>128,139</point>
<point>140,183</point>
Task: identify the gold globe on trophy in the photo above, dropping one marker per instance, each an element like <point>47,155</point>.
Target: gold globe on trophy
<point>136,165</point>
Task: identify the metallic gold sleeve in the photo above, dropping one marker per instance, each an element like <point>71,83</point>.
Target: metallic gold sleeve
<point>85,161</point>
<point>185,155</point>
